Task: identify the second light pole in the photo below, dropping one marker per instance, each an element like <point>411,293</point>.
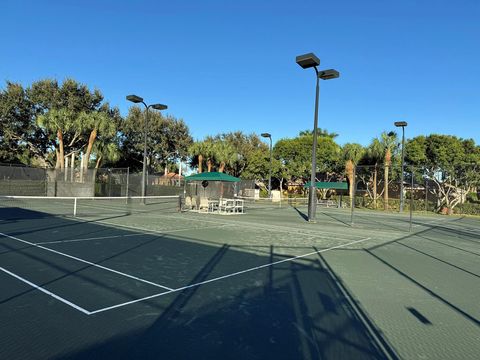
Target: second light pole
<point>137,99</point>
<point>307,61</point>
<point>267,135</point>
<point>402,124</point>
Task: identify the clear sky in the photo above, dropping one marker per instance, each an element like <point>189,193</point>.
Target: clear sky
<point>230,65</point>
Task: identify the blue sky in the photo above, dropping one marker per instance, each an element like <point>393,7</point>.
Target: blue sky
<point>230,65</point>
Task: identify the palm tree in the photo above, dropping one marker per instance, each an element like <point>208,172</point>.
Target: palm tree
<point>58,121</point>
<point>200,150</point>
<point>374,155</point>
<point>224,154</point>
<point>352,153</point>
<point>98,123</point>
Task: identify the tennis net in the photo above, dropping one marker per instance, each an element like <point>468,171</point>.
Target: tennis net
<point>271,203</point>
<point>40,206</point>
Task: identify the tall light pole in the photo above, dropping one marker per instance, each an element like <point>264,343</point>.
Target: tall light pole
<point>267,135</point>
<point>307,61</point>
<point>137,99</point>
<point>402,124</point>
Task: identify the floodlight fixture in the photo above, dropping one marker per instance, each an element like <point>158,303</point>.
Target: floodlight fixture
<point>137,99</point>
<point>134,98</point>
<point>328,74</point>
<point>400,123</point>
<point>159,107</point>
<point>308,60</point>
<point>266,135</point>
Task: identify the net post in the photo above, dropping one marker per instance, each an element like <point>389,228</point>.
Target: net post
<point>75,206</point>
<point>126,188</point>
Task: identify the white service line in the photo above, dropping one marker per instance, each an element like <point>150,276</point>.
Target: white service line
<point>86,262</point>
<point>226,276</point>
<point>91,238</point>
<point>143,233</point>
<point>69,303</point>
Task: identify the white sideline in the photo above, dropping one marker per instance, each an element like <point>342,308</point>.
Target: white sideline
<point>86,262</point>
<point>226,276</point>
<point>69,303</point>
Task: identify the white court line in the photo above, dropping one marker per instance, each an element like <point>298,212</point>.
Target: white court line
<point>86,262</point>
<point>226,276</point>
<point>69,303</point>
<point>91,238</point>
<point>146,232</point>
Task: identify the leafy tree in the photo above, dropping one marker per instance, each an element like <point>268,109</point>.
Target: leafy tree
<point>449,162</point>
<point>320,132</point>
<point>168,140</point>
<point>71,116</point>
<point>296,155</point>
<point>20,138</point>
<point>224,154</point>
<point>245,147</point>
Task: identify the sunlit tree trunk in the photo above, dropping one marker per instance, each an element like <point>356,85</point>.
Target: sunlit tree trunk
<point>200,163</point>
<point>349,169</point>
<point>91,140</point>
<point>60,153</point>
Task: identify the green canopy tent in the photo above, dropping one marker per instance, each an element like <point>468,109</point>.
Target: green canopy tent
<point>329,185</point>
<point>216,189</point>
<point>212,176</point>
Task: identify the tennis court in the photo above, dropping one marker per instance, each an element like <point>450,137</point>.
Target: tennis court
<point>125,280</point>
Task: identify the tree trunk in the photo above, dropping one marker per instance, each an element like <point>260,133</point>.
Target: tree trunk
<point>91,140</point>
<point>61,153</point>
<point>99,160</point>
<point>350,170</point>
<point>209,165</point>
<point>57,159</point>
<point>222,167</point>
<point>200,161</point>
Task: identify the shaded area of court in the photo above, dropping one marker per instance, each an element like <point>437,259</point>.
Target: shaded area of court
<point>294,309</point>
<point>198,286</point>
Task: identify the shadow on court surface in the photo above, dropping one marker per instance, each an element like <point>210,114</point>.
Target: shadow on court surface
<point>292,310</point>
<point>298,313</point>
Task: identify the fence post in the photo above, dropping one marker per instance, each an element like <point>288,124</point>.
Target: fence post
<point>411,199</point>
<point>126,189</point>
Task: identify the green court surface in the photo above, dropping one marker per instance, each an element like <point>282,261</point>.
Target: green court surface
<point>261,285</point>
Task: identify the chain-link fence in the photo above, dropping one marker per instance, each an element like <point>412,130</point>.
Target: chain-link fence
<point>22,180</point>
<point>444,190</point>
<point>30,181</point>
